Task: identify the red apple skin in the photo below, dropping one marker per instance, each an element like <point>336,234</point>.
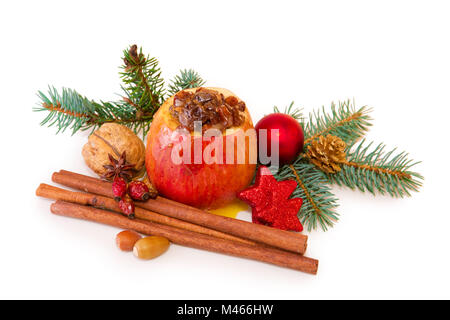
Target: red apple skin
<point>206,186</point>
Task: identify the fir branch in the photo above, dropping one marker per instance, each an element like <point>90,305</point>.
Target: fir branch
<point>344,122</point>
<point>144,94</point>
<point>318,208</point>
<point>296,113</point>
<point>185,80</point>
<point>377,171</point>
<point>69,109</point>
<point>144,86</point>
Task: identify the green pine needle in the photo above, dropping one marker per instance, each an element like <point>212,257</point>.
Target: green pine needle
<point>69,109</point>
<point>319,204</point>
<point>143,84</point>
<point>296,113</point>
<point>144,93</point>
<point>344,121</point>
<point>376,171</point>
<point>185,80</point>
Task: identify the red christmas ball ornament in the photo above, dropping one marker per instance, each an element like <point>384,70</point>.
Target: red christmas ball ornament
<point>290,136</point>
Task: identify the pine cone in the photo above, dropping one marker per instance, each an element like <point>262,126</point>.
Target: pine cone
<point>327,153</point>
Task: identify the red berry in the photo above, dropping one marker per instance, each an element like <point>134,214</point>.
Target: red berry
<point>119,188</point>
<point>138,190</point>
<point>126,204</point>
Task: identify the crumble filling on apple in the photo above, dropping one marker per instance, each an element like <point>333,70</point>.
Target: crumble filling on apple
<point>208,106</point>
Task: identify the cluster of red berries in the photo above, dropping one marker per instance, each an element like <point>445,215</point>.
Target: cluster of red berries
<point>125,193</point>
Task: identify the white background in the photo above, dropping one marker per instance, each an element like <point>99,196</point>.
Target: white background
<point>391,55</point>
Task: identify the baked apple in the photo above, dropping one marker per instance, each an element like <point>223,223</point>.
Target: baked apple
<point>201,147</point>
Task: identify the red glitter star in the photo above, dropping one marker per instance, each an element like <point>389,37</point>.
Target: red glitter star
<point>269,201</point>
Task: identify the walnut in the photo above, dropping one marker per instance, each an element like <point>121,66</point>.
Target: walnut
<point>114,139</point>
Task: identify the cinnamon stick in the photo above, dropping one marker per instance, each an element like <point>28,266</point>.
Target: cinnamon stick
<point>188,238</point>
<point>105,187</point>
<point>285,240</point>
<point>55,193</point>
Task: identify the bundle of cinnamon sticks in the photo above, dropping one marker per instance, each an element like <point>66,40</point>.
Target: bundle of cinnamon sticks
<point>181,224</point>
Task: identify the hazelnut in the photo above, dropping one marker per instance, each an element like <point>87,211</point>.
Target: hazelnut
<point>114,139</point>
<point>126,240</point>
